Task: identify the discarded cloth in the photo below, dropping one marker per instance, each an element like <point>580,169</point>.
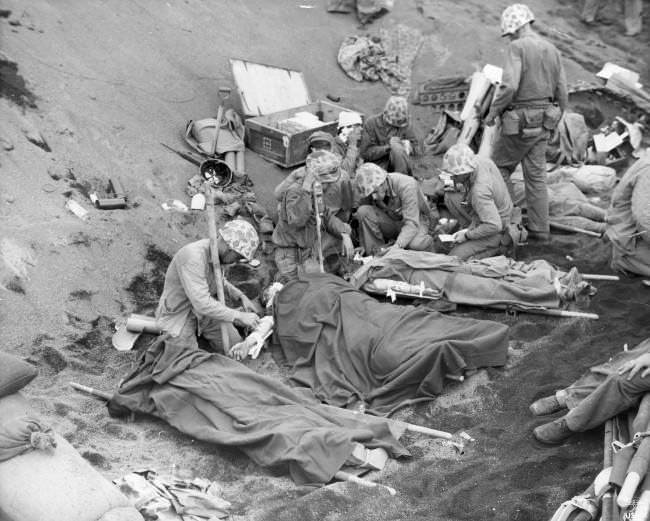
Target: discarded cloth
<point>168,498</point>
<point>200,134</point>
<point>493,282</point>
<point>568,143</point>
<point>348,347</point>
<point>215,399</point>
<point>388,57</point>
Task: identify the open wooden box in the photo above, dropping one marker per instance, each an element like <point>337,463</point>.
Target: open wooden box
<point>269,95</point>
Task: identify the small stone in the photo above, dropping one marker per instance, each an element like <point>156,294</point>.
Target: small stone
<point>6,144</point>
<point>10,199</point>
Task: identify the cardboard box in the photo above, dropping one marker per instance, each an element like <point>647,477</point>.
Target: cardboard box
<point>270,95</point>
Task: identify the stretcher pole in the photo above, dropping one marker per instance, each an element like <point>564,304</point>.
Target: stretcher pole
<point>574,229</point>
<point>346,476</point>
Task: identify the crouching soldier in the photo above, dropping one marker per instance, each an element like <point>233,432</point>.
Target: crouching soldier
<point>395,208</point>
<point>388,138</point>
<point>296,236</point>
<point>187,306</point>
<point>486,202</point>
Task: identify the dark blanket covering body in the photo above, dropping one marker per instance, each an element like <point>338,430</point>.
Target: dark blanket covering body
<point>215,399</point>
<point>346,346</point>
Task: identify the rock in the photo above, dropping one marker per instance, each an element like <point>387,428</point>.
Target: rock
<point>10,199</point>
<point>6,144</point>
<point>34,135</point>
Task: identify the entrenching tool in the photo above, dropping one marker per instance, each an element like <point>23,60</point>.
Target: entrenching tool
<point>224,94</point>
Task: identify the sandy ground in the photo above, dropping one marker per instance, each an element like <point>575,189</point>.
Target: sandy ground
<point>105,82</point>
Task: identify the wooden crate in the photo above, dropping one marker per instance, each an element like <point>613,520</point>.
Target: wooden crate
<point>288,150</point>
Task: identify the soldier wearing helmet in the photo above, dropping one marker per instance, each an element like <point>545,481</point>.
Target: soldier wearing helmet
<point>488,204</point>
<point>187,306</point>
<point>530,101</point>
<point>395,208</point>
<point>388,138</point>
<point>295,235</point>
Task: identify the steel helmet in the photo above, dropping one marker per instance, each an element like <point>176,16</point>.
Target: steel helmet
<point>396,111</point>
<point>369,177</point>
<point>514,17</point>
<point>459,159</point>
<point>241,237</point>
<point>324,165</point>
<point>347,119</point>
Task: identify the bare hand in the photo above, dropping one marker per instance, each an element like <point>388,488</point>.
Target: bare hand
<point>239,351</point>
<point>395,142</point>
<point>641,363</point>
<point>355,135</point>
<point>247,319</point>
<point>348,247</point>
<point>460,236</point>
<point>490,120</point>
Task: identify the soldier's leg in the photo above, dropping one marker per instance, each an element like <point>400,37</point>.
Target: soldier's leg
<point>616,394</point>
<point>399,162</point>
<point>459,211</point>
<point>375,228</point>
<point>286,260</point>
<point>633,19</point>
<point>186,339</point>
<point>590,10</point>
<point>422,241</point>
<point>211,331</point>
<point>534,167</point>
<point>508,152</point>
<point>477,248</point>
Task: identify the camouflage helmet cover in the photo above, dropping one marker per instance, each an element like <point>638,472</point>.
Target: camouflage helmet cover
<point>514,17</point>
<point>396,111</point>
<point>459,159</point>
<point>369,177</point>
<point>241,237</point>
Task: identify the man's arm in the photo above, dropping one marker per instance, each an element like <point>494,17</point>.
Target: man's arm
<point>410,214</point>
<point>509,85</point>
<point>561,92</point>
<point>371,149</point>
<point>192,275</point>
<point>489,221</point>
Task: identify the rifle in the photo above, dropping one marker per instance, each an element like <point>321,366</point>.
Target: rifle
<point>318,203</point>
<point>188,156</point>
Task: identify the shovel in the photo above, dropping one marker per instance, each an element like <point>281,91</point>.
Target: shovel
<point>224,94</point>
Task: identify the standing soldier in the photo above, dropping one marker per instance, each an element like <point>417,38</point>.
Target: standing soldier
<point>530,101</point>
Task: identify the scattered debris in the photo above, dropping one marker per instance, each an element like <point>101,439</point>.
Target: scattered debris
<point>174,204</point>
<point>77,209</point>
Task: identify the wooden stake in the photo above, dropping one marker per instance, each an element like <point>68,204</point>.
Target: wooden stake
<point>216,263</point>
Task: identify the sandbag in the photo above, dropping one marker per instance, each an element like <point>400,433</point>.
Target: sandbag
<point>57,485</point>
<point>19,434</point>
<point>14,374</point>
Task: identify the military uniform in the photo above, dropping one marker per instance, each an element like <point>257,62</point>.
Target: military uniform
<point>530,101</point>
<point>403,215</point>
<point>377,131</point>
<point>490,208</point>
